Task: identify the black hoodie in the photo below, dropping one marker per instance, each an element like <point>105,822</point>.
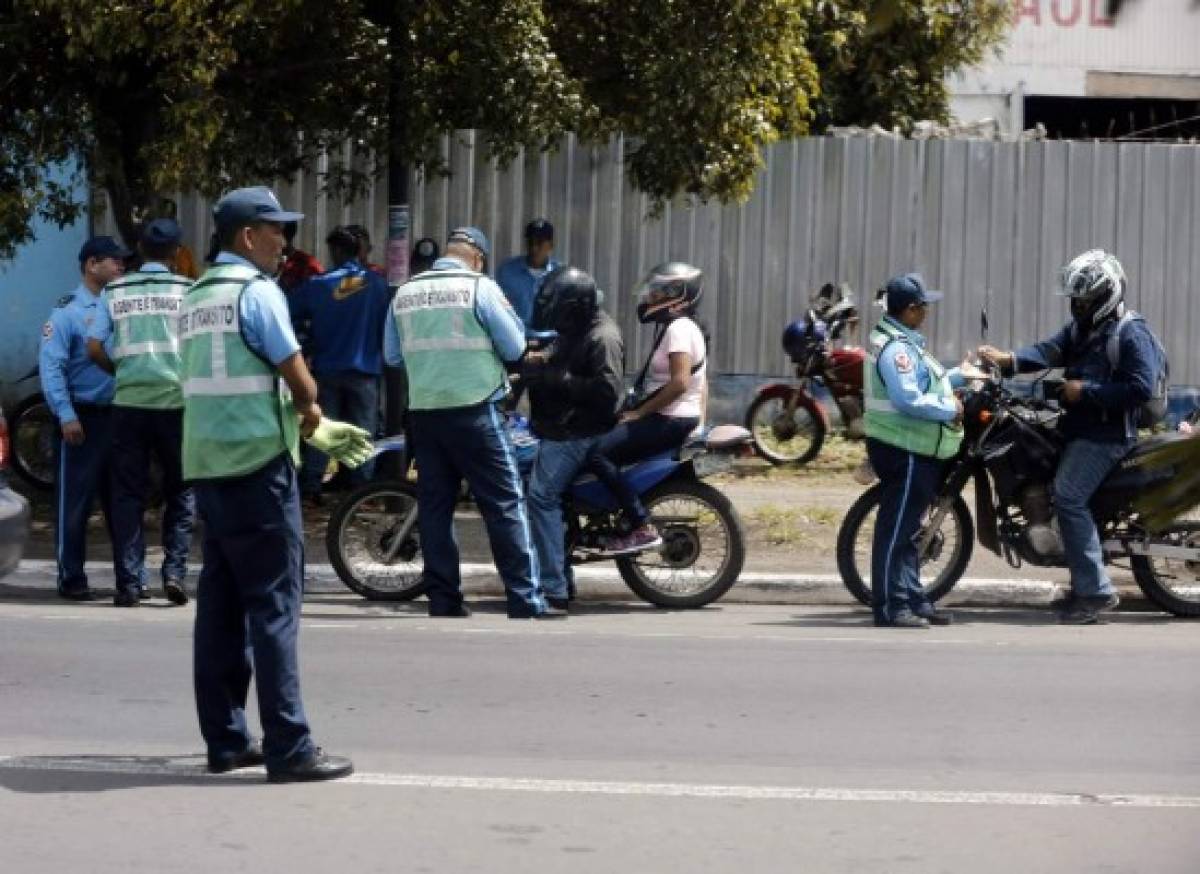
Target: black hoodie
<point>579,391</point>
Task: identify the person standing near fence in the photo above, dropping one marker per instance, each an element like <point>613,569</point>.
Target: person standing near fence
<point>139,321</point>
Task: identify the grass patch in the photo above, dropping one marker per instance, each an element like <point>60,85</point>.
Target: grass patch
<point>792,526</point>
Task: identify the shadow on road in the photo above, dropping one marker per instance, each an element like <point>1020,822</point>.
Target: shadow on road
<point>861,619</point>
<point>54,774</point>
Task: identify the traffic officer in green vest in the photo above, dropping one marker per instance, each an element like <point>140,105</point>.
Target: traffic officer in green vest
<point>248,397</point>
<point>139,313</point>
<point>454,331</point>
<point>913,423</point>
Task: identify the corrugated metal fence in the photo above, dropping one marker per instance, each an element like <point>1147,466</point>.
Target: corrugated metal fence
<point>984,221</point>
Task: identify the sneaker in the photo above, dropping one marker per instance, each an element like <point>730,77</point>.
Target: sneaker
<point>637,540</point>
<point>934,616</point>
<point>127,598</point>
<point>904,620</point>
<point>176,594</point>
<point>1063,601</point>
<point>1086,611</point>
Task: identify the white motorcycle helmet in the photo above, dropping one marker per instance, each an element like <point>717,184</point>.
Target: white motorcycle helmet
<point>1095,284</point>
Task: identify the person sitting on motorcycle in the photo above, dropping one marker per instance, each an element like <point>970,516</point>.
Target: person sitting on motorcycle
<point>1099,423</point>
<point>913,424</point>
<point>677,395</point>
<point>575,395</point>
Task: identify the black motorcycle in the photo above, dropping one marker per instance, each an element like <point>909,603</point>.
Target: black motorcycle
<point>1011,449</point>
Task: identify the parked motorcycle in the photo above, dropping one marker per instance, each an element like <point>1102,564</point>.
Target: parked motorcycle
<point>374,543</point>
<point>788,423</point>
<point>1011,449</point>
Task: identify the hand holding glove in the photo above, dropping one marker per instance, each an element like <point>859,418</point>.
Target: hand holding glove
<point>345,443</point>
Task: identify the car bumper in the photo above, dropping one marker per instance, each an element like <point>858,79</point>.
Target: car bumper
<point>14,528</point>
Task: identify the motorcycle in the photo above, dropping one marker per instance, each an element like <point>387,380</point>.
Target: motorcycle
<point>1011,450</point>
<point>788,423</point>
<point>374,542</point>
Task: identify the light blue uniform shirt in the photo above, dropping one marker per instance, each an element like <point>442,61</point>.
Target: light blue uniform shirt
<point>67,374</point>
<point>907,379</point>
<point>102,326</point>
<point>266,324</point>
<point>520,284</point>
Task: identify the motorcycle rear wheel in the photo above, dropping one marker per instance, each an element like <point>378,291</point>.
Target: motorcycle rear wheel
<point>361,533</point>
<point>34,435</point>
<point>703,551</point>
<point>781,439</point>
<point>857,532</point>
<point>1172,584</point>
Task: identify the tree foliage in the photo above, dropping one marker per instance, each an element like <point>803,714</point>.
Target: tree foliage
<point>166,95</point>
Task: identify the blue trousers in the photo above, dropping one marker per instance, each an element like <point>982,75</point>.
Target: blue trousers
<point>248,612</point>
<point>347,397</point>
<point>82,478</point>
<point>555,468</point>
<point>472,443</point>
<point>1083,467</point>
<point>909,483</point>
<point>630,442</point>
<point>138,435</point>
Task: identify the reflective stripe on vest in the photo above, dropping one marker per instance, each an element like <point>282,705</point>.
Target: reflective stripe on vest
<point>144,308</point>
<point>884,422</point>
<point>238,415</point>
<point>448,353</point>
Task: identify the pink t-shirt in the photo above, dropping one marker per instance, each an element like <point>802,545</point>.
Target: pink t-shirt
<point>683,335</point>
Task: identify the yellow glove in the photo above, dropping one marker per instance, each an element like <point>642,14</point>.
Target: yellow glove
<point>345,443</point>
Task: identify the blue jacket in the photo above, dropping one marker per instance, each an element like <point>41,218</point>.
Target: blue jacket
<point>520,286</point>
<point>345,311</point>
<point>68,375</point>
<point>1106,413</point>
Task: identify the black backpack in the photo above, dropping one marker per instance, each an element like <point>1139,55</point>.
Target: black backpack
<point>1154,410</point>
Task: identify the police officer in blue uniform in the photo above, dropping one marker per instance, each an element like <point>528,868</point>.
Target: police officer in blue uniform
<point>914,423</point>
<point>79,394</point>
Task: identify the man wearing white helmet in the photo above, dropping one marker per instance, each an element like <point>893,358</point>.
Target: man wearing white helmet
<point>1103,392</point>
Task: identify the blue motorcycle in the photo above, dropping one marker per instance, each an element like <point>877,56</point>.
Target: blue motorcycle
<point>374,543</point>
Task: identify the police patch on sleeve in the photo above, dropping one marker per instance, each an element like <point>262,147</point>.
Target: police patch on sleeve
<point>904,362</point>
<point>47,331</point>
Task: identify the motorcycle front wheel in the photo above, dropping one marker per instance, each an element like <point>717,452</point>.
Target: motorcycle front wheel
<point>783,438</point>
<point>34,434</point>
<point>373,542</point>
<point>942,565</point>
<point>1173,584</point>
<point>703,549</point>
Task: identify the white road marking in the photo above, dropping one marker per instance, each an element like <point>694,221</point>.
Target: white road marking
<point>192,767</point>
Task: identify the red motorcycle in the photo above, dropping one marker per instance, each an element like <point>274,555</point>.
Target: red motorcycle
<point>787,422</point>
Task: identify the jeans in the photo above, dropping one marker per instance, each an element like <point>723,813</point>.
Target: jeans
<point>630,442</point>
<point>1083,467</point>
<point>908,484</point>
<point>351,397</point>
<point>136,435</point>
<point>472,443</point>
<point>557,464</point>
<point>81,478</point>
<point>248,613</point>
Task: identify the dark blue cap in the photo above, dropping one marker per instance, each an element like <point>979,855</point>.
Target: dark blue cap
<point>102,247</point>
<point>244,206</point>
<point>472,237</point>
<point>904,291</point>
<point>539,229</point>
<point>162,232</point>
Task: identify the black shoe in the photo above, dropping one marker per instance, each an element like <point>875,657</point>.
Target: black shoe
<point>175,592</point>
<point>1086,611</point>
<point>1063,602</point>
<point>127,598</point>
<point>462,611</point>
<point>318,766</point>
<point>143,593</point>
<point>904,620</point>
<point>934,616</point>
<point>563,604</point>
<point>250,757</point>
<point>77,594</point>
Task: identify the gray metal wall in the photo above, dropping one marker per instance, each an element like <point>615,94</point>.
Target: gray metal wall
<point>981,220</point>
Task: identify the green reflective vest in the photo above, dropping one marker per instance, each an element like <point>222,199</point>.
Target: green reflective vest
<point>237,412</point>
<point>886,423</point>
<point>448,353</point>
<point>144,308</point>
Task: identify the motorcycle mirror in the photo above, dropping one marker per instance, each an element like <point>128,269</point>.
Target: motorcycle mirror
<point>983,314</point>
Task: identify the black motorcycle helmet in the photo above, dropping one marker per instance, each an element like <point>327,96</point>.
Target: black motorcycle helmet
<point>574,298</point>
<point>669,291</point>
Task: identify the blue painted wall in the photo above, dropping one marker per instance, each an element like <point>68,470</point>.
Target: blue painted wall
<point>39,274</point>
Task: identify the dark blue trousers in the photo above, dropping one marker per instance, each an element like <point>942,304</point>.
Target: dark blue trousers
<point>630,442</point>
<point>346,397</point>
<point>248,612</point>
<point>471,443</point>
<point>81,479</point>
<point>137,436</point>
<point>909,484</point>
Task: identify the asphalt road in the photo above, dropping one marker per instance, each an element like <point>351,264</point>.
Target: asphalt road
<point>625,739</point>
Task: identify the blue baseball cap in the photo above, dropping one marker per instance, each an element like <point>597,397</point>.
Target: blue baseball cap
<point>472,237</point>
<point>162,232</point>
<point>539,229</point>
<point>904,291</point>
<point>102,247</point>
<point>244,206</point>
